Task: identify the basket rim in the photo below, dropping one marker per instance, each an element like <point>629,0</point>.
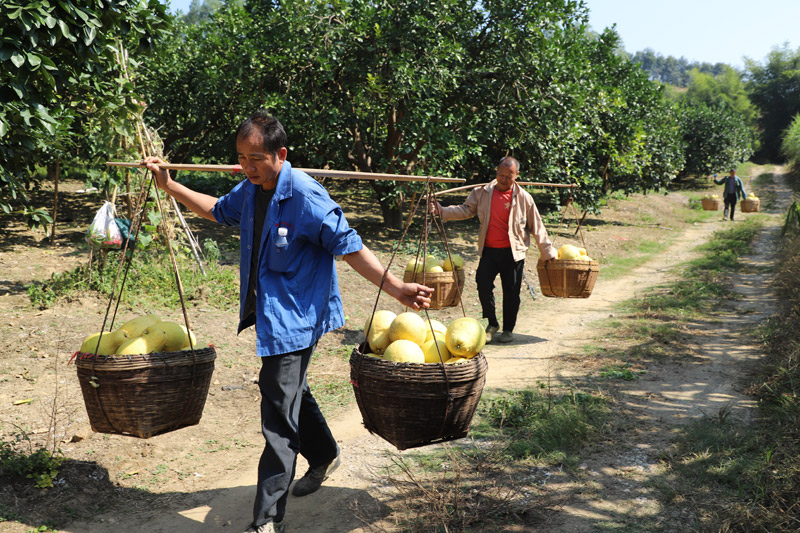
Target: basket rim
<point>89,360</point>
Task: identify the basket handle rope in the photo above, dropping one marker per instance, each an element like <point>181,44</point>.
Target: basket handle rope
<point>421,245</point>
<point>127,260</point>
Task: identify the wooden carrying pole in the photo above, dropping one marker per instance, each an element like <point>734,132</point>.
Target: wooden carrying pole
<point>521,183</point>
<point>342,174</point>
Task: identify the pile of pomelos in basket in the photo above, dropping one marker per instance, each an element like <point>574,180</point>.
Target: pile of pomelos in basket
<point>410,338</point>
<point>142,335</point>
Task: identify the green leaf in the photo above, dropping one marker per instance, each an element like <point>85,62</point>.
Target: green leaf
<point>17,59</point>
<point>34,60</point>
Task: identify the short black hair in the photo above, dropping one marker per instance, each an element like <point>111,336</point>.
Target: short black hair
<point>509,159</point>
<point>270,128</point>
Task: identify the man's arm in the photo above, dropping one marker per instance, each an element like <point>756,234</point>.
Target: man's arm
<point>201,204</point>
<point>411,295</point>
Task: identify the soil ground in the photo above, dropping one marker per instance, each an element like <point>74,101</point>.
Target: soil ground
<point>202,478</point>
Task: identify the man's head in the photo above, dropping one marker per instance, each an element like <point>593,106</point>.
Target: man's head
<point>507,172</point>
<point>733,172</point>
<point>261,148</point>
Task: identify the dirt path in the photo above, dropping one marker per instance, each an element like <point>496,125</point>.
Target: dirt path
<point>614,488</point>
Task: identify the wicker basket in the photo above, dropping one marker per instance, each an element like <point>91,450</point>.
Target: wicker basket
<point>145,395</point>
<point>413,404</point>
<point>446,293</point>
<point>711,204</point>
<point>750,206</point>
<point>562,278</point>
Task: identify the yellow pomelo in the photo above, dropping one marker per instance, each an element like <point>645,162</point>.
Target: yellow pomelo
<point>456,261</point>
<point>156,338</point>
<point>187,336</point>
<point>108,344</point>
<point>414,266</point>
<point>135,346</point>
<point>429,350</point>
<point>196,345</point>
<point>465,337</point>
<point>569,252</point>
<point>408,326</point>
<point>378,336</point>
<point>435,268</point>
<point>582,251</point>
<point>437,327</point>
<point>136,326</point>
<point>455,360</point>
<point>174,333</point>
<point>404,351</point>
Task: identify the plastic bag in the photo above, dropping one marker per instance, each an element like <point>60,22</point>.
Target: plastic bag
<point>104,232</point>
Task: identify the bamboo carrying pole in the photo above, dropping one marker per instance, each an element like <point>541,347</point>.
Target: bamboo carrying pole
<point>324,173</point>
<point>522,183</point>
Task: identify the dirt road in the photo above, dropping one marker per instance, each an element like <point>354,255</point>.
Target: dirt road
<point>614,486</point>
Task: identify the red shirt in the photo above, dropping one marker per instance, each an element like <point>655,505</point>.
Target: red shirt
<point>497,233</point>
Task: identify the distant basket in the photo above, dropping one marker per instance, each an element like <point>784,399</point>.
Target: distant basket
<point>145,395</point>
<point>446,292</point>
<point>414,404</point>
<point>563,278</point>
<point>750,206</point>
<point>711,204</point>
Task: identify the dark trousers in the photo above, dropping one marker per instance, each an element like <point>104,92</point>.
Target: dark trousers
<point>730,202</point>
<point>496,261</point>
<point>291,423</point>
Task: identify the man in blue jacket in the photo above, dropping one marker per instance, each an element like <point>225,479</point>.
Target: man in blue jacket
<point>290,232</point>
<point>733,190</point>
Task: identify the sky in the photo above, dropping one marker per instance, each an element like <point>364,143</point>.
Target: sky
<point>712,31</point>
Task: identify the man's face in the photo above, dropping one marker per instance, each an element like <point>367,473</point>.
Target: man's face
<point>733,173</point>
<point>506,176</point>
<point>262,168</point>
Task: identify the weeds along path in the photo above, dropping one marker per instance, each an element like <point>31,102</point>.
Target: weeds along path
<point>613,488</point>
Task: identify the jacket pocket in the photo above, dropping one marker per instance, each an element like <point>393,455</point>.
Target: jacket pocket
<point>282,258</point>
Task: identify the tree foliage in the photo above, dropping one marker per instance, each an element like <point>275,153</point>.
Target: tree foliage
<point>775,90</point>
<point>58,74</point>
<point>715,138</point>
<point>790,144</point>
<point>412,87</point>
<point>674,71</point>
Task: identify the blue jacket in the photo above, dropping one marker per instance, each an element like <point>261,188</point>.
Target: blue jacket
<point>298,294</point>
<point>740,192</point>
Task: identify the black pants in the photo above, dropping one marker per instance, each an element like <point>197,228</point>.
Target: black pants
<point>730,202</point>
<point>496,261</point>
<point>291,423</point>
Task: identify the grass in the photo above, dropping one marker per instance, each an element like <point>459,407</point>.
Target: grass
<point>150,281</point>
<point>638,254</point>
<point>734,475</point>
<point>487,485</point>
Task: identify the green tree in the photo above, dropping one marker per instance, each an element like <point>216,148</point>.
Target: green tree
<point>775,90</point>
<point>59,73</point>
<point>414,87</point>
<point>790,145</point>
<point>715,138</point>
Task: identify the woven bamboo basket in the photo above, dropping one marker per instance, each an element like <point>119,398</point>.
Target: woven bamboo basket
<point>563,278</point>
<point>145,395</point>
<point>711,204</point>
<point>750,206</point>
<point>413,404</point>
<point>446,292</point>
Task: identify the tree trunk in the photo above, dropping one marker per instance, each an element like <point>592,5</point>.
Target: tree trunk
<point>392,214</point>
<point>52,173</point>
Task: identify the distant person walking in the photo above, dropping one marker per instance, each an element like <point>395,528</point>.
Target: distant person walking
<point>734,190</point>
<point>508,217</point>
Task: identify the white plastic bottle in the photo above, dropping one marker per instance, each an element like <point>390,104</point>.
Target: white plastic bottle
<point>281,241</point>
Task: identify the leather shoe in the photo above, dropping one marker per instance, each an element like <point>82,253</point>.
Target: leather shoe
<point>312,480</point>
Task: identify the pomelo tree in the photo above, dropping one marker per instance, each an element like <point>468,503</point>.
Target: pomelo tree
<point>58,75</point>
